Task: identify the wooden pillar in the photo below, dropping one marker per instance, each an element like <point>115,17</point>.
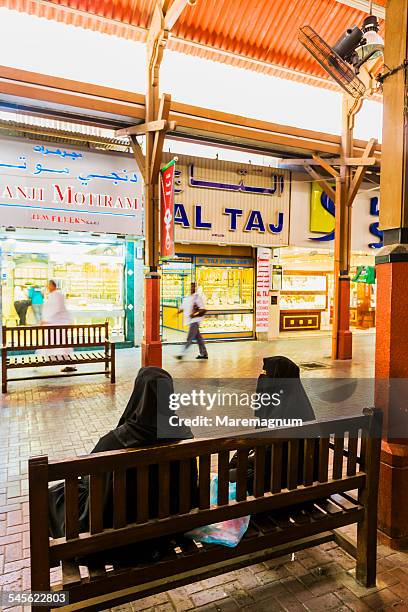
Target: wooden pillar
<point>342,343</point>
<point>151,344</point>
<point>391,358</point>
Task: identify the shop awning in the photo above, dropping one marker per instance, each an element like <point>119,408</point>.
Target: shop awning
<point>257,34</point>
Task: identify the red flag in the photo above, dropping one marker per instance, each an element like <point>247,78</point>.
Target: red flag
<point>167,174</point>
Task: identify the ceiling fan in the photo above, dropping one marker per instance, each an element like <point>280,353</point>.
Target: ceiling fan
<point>355,61</point>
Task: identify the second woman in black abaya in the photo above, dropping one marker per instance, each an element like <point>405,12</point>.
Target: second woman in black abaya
<point>137,427</point>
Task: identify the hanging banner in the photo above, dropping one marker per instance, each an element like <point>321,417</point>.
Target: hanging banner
<point>263,284</point>
<point>167,174</point>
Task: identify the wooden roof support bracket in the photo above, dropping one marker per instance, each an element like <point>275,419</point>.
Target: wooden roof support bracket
<point>139,156</point>
<point>360,173</point>
<point>326,166</point>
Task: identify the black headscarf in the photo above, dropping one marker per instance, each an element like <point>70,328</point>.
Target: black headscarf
<point>146,416</point>
<point>282,376</point>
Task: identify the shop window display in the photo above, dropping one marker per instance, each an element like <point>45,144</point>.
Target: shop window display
<point>91,276</point>
<point>228,291</point>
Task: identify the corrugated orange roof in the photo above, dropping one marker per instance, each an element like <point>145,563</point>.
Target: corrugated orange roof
<point>257,34</point>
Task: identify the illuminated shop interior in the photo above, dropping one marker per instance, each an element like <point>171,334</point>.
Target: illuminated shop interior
<point>307,286</point>
<point>227,286</point>
<point>90,272</point>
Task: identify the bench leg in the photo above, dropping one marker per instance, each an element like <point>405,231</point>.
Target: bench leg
<point>366,568</point>
<point>113,364</point>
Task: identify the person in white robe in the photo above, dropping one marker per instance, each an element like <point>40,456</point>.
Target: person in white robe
<point>55,312</point>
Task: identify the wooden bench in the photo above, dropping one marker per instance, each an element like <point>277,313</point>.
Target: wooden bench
<point>34,337</point>
<point>282,521</point>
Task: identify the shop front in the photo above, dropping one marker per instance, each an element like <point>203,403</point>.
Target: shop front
<point>74,217</point>
<point>307,280</point>
<point>223,212</point>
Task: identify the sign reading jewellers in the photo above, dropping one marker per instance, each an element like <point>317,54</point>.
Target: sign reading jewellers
<point>48,185</point>
<point>221,202</point>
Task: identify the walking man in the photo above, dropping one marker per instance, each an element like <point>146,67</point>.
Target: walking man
<point>194,311</point>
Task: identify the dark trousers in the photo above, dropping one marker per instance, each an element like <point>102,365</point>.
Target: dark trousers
<point>195,334</point>
<point>21,307</point>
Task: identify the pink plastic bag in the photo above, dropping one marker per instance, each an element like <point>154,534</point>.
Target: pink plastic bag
<point>228,533</point>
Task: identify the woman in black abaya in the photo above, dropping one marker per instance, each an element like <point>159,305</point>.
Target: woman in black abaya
<point>146,412</point>
<point>281,378</point>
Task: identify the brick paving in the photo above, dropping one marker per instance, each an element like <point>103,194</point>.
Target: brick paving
<point>65,417</point>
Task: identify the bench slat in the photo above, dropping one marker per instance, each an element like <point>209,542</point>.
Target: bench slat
<point>223,478</point>
<point>242,474</point>
<point>142,502</point>
<point>259,478</point>
<point>308,465</point>
<point>338,457</point>
<point>164,489</point>
<point>184,486</point>
<point>352,452</point>
<point>70,574</point>
<point>96,491</point>
<point>119,498</point>
<point>323,459</point>
<point>293,464</point>
<point>276,454</point>
<point>71,508</point>
<point>204,468</point>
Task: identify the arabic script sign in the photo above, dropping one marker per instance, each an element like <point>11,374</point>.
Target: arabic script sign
<point>263,283</point>
<point>167,210</point>
<point>230,203</point>
<point>57,186</point>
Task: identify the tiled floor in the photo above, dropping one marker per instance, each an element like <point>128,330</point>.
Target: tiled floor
<point>64,417</point>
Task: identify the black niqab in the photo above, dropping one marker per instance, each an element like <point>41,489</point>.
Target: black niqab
<point>146,416</point>
<point>282,377</point>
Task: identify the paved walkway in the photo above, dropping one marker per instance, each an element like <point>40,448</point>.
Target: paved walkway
<point>65,417</point>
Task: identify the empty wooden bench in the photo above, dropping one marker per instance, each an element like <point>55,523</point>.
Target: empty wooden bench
<point>30,338</point>
<point>283,520</point>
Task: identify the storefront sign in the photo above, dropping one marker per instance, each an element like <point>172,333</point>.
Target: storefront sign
<point>167,210</point>
<point>230,203</point>
<point>48,185</point>
<point>313,219</point>
<point>229,262</point>
<point>263,284</point>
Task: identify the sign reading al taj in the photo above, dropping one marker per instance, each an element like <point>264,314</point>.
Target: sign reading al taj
<point>60,187</point>
<point>230,203</point>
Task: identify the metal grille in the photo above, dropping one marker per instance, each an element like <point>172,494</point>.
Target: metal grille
<point>338,69</point>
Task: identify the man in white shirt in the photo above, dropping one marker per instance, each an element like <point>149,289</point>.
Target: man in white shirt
<point>194,311</point>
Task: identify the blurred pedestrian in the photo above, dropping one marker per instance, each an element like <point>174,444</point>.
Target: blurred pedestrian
<point>36,297</point>
<point>194,311</point>
<point>21,304</point>
<point>55,312</point>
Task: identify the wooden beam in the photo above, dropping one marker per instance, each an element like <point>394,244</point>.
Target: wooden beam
<point>156,160</point>
<point>142,128</point>
<point>333,161</point>
<point>139,156</point>
<point>326,166</point>
<point>173,13</point>
<point>327,188</point>
<point>360,173</point>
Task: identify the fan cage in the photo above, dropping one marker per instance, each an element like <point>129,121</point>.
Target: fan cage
<point>338,69</point>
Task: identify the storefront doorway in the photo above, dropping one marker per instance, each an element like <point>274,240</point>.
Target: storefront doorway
<point>227,286</point>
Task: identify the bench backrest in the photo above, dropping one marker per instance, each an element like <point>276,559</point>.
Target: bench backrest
<point>340,469</point>
<point>61,336</point>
